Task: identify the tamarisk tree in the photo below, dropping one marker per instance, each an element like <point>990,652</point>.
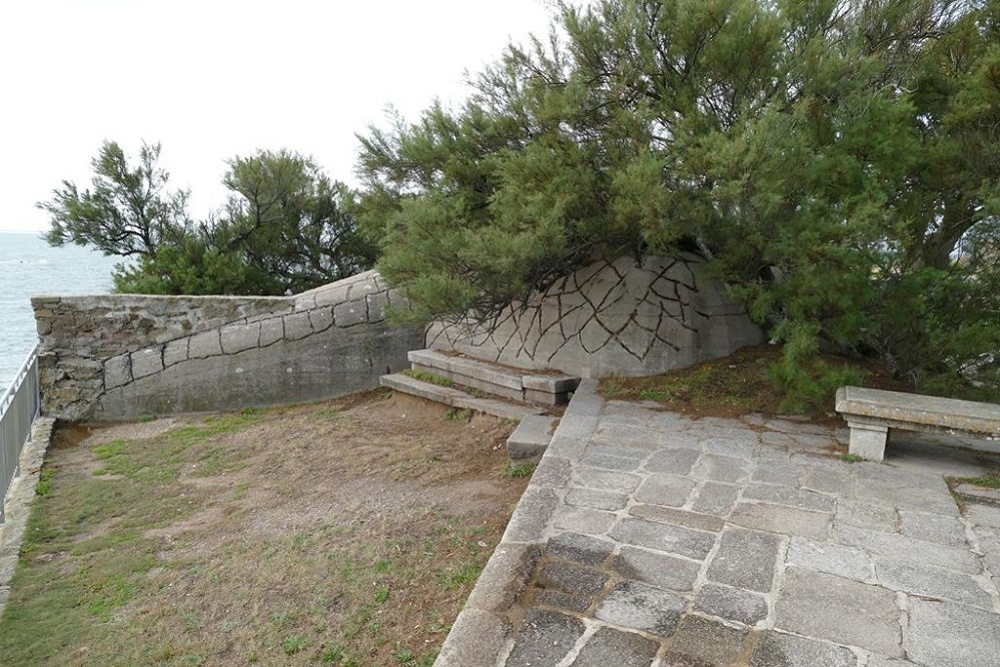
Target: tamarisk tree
<point>836,161</point>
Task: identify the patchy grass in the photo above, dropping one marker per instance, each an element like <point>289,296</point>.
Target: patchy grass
<point>515,470</point>
<point>347,533</point>
<point>458,415</point>
<point>986,481</point>
<point>727,387</point>
<point>426,376</point>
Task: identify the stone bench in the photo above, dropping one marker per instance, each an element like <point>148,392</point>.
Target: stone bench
<point>870,413</point>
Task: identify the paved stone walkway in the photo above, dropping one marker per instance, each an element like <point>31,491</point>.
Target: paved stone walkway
<point>650,539</point>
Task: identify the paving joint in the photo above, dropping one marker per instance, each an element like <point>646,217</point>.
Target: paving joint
<point>622,507</point>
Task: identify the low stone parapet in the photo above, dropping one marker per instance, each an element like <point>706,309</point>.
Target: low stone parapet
<point>123,356</point>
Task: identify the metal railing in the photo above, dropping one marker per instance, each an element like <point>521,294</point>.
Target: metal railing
<point>18,409</point>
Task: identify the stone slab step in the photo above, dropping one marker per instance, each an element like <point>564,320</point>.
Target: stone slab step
<point>544,388</point>
<point>457,398</point>
<point>531,437</point>
<point>971,493</point>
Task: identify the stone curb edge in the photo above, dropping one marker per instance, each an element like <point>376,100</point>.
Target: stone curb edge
<point>479,634</point>
<point>17,506</point>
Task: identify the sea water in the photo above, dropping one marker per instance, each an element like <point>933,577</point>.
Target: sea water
<point>30,267</point>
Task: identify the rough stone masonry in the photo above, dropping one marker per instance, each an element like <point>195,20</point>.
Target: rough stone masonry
<point>113,357</point>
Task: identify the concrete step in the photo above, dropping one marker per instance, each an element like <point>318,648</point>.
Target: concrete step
<point>515,384</point>
<point>457,398</point>
<point>531,437</point>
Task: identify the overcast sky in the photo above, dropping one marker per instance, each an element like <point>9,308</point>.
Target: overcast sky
<point>211,79</point>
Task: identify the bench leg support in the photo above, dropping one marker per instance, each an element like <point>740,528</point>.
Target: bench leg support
<point>868,441</point>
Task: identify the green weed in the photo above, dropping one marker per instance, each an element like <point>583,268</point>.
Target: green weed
<point>516,470</point>
<point>458,415</point>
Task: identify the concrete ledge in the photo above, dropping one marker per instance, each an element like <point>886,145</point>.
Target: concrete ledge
<point>455,368</point>
<point>546,389</point>
<point>17,505</point>
<point>456,398</point>
<point>978,494</point>
<point>531,437</point>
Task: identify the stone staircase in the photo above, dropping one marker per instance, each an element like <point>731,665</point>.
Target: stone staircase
<point>463,382</point>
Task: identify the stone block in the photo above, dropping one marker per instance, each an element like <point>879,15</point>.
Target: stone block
<point>792,497</point>
<point>945,530</point>
<point>203,345</point>
<point>663,537</point>
<point>922,580</point>
<point>329,295</point>
<point>868,441</point>
<point>321,319</point>
<point>609,501</point>
<point>544,638</point>
<point>777,649</point>
<point>297,325</point>
<point>848,562</point>
<point>660,514</point>
<point>634,605</point>
<point>609,462</point>
<point>351,313</point>
<point>146,362</point>
<point>673,461</point>
<point>667,490</point>
<point>786,473</point>
<point>731,604</point>
<point>580,548</point>
<point>271,331</point>
<point>781,519</point>
<point>583,520</point>
<point>715,498</point>
<point>907,550</point>
<point>504,577</point>
<point>377,304</point>
<point>610,646</point>
<point>745,559</point>
<point>572,579</point>
<point>656,569</point>
<point>701,641</point>
<point>552,472</point>
<point>531,437</point>
<point>117,371</point>
<point>721,468</point>
<point>531,516</point>
<point>175,352</point>
<point>834,482</point>
<point>944,634</point>
<point>868,515</point>
<point>238,337</point>
<point>839,610</point>
<point>604,479</point>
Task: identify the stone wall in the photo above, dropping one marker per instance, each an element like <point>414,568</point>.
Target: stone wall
<point>612,318</point>
<point>112,357</point>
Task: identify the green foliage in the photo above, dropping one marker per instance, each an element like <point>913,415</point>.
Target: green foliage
<point>517,470</point>
<point>462,415</point>
<point>427,376</point>
<point>285,228</point>
<point>835,161</point>
<point>129,212</point>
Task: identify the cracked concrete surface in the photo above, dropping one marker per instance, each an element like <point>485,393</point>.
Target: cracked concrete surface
<point>612,317</point>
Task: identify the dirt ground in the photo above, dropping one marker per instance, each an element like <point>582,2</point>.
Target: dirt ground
<point>346,532</point>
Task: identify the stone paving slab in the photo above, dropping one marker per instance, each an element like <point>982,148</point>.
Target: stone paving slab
<point>650,539</point>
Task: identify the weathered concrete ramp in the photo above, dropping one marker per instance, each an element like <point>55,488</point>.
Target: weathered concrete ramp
<point>650,539</point>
